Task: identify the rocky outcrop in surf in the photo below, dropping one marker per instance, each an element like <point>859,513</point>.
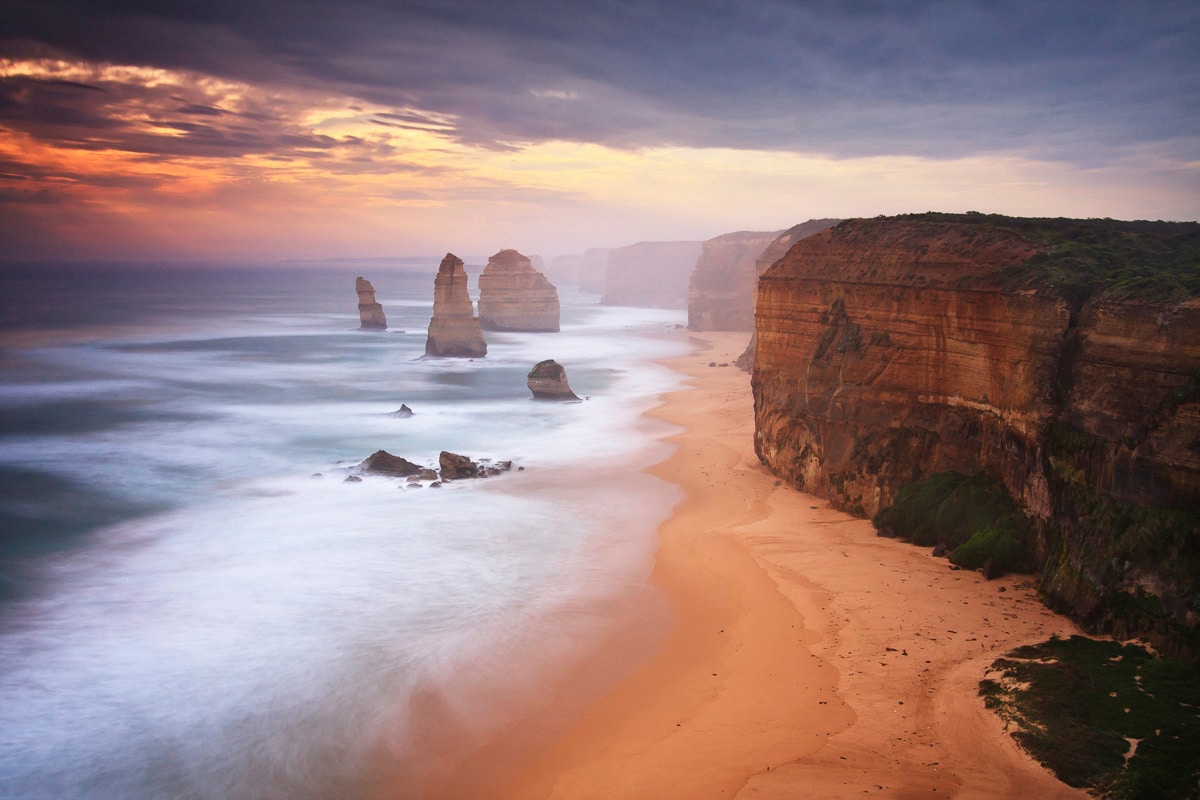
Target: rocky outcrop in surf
<point>548,381</point>
<point>370,313</point>
<point>454,330</point>
<point>456,467</point>
<point>513,296</point>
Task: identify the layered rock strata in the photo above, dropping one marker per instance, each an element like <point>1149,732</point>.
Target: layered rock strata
<point>548,381</point>
<point>454,330</point>
<point>774,251</point>
<point>891,349</point>
<point>650,274</point>
<point>370,313</point>
<point>513,296</point>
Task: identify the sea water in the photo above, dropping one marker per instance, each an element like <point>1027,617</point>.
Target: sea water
<point>194,603</point>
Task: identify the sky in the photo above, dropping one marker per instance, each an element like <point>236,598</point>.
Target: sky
<point>245,130</point>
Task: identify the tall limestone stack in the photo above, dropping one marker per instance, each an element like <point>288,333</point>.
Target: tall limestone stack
<point>513,296</point>
<point>370,313</point>
<point>1059,357</point>
<point>454,330</point>
<point>650,274</point>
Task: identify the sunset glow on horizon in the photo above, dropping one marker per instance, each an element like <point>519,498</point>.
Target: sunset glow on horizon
<point>147,158</point>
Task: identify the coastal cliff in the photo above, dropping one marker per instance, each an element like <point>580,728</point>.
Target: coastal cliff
<point>1059,357</point>
<point>513,296</point>
<point>721,289</point>
<point>722,285</point>
<point>649,274</point>
<point>454,330</point>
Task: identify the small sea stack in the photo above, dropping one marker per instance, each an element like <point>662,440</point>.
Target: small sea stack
<point>454,330</point>
<point>548,381</point>
<point>370,313</point>
<point>513,296</point>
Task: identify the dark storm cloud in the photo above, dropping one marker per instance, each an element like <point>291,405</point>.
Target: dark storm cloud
<point>1082,80</point>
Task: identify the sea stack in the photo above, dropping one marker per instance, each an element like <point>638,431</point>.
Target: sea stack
<point>370,313</point>
<point>513,296</point>
<point>454,330</point>
<point>548,381</point>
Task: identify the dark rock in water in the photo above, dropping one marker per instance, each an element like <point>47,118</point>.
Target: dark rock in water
<point>456,467</point>
<point>548,381</point>
<point>352,479</point>
<point>370,313</point>
<point>939,550</point>
<point>991,569</point>
<point>384,463</point>
<point>427,474</point>
<point>403,412</point>
<point>317,475</point>
<point>435,485</point>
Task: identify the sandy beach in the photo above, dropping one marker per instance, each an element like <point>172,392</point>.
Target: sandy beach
<point>808,657</point>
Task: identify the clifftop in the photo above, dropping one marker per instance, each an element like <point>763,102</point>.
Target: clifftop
<point>1060,356</point>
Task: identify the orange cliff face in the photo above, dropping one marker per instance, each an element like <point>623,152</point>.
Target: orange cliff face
<point>892,349</point>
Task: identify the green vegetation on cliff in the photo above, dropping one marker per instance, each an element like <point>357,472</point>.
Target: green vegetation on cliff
<point>1141,260</point>
<point>974,516</point>
<point>1107,716</point>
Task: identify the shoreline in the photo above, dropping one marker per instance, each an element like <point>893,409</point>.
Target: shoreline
<point>809,657</point>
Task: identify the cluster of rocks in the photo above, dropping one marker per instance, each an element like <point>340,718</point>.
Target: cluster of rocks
<point>451,467</point>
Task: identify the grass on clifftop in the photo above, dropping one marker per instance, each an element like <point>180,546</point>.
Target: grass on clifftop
<point>974,516</point>
<point>1113,718</point>
<point>1142,260</point>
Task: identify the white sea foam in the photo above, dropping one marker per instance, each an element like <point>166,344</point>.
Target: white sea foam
<point>268,630</point>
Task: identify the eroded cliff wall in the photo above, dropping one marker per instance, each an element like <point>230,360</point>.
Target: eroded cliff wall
<point>891,349</point>
<point>649,274</point>
<point>722,287</point>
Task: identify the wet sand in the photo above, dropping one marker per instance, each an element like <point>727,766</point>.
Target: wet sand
<point>807,657</point>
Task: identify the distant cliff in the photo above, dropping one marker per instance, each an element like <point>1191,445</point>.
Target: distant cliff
<point>592,270</point>
<point>513,296</point>
<point>650,274</point>
<point>1061,357</point>
<point>722,285</point>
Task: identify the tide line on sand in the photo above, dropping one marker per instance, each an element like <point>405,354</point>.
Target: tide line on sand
<point>807,656</point>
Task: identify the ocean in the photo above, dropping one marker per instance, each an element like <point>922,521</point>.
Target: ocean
<point>194,603</point>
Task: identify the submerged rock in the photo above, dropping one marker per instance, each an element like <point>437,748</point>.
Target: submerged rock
<point>454,330</point>
<point>381,462</point>
<point>404,412</point>
<point>548,381</point>
<point>370,313</point>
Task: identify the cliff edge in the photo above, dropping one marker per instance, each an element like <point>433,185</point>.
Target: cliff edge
<point>1061,357</point>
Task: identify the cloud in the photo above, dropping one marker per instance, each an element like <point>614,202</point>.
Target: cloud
<point>920,78</point>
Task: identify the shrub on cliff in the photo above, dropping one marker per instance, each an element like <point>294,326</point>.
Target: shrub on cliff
<point>972,515</point>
